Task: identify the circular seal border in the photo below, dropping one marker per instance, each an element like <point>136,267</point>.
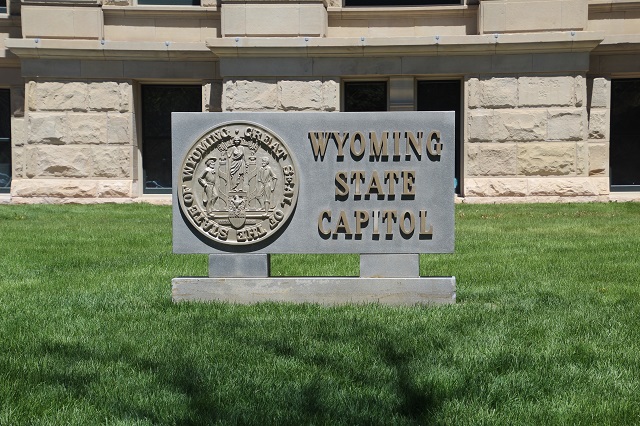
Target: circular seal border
<point>199,152</point>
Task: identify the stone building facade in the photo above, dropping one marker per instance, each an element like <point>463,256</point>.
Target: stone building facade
<point>534,85</point>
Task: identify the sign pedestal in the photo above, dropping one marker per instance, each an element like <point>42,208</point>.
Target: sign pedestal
<point>243,278</point>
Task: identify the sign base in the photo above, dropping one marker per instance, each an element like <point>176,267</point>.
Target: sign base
<point>322,290</point>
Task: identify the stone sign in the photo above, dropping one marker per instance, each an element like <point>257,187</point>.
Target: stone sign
<point>313,182</point>
<point>247,185</point>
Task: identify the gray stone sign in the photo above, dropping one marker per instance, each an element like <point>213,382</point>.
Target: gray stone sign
<point>247,185</point>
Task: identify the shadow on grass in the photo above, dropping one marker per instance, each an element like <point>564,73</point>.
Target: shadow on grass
<point>290,374</point>
<point>174,374</point>
<point>416,404</point>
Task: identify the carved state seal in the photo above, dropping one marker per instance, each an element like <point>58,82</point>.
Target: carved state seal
<point>238,184</point>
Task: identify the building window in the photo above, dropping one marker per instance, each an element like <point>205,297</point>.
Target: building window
<point>5,140</point>
<point>169,2</point>
<point>361,96</point>
<point>624,159</point>
<point>400,2</point>
<point>3,6</point>
<point>157,104</point>
<point>444,95</point>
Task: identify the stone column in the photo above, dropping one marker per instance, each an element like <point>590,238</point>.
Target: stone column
<point>79,141</point>
<point>597,147</point>
<point>17,132</point>
<point>528,136</point>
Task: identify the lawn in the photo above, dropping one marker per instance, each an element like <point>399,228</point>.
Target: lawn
<point>546,328</point>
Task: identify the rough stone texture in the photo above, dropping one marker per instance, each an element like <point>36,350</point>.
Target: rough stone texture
<point>473,90</point>
<point>599,124</point>
<point>520,125</point>
<point>480,126</point>
<point>243,95</point>
<point>541,199</point>
<point>547,91</point>
<point>499,92</point>
<point>567,124</point>
<point>598,159</point>
<point>114,189</point>
<point>79,96</point>
<point>582,158</point>
<point>46,128</point>
<point>491,187</point>
<point>17,131</point>
<point>546,159</point>
<point>212,96</point>
<point>282,95</point>
<point>600,93</point>
<point>109,96</point>
<point>57,188</point>
<point>491,159</point>
<point>581,91</point>
<point>601,184</point>
<point>119,128</point>
<point>565,187</point>
<point>111,161</point>
<point>58,161</point>
<point>86,128</point>
<point>17,162</point>
<point>300,95</point>
<point>57,96</point>
<point>17,101</point>
<point>331,95</point>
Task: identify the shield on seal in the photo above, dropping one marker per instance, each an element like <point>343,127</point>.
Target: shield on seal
<point>237,209</point>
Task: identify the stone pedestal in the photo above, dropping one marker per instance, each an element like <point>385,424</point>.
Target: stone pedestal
<point>323,290</point>
<point>244,279</point>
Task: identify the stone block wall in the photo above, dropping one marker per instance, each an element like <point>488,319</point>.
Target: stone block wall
<point>281,95</point>
<point>532,138</point>
<point>78,141</point>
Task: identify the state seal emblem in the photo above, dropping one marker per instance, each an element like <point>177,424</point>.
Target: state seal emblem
<point>238,184</point>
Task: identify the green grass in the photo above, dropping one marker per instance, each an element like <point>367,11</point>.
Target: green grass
<point>546,329</point>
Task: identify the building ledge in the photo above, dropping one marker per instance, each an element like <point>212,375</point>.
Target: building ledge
<point>568,41</point>
<point>615,44</point>
<point>107,50</point>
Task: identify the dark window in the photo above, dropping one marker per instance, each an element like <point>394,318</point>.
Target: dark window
<point>5,140</point>
<point>399,2</point>
<point>158,102</point>
<point>170,2</point>
<point>443,95</point>
<point>624,161</point>
<point>360,96</point>
<point>3,6</point>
